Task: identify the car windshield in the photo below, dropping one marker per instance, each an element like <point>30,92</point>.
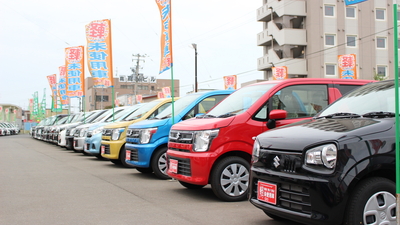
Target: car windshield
<point>142,110</point>
<point>62,120</point>
<point>240,100</point>
<point>179,105</point>
<point>128,111</point>
<point>371,98</point>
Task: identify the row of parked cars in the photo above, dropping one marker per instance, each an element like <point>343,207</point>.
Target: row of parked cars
<point>7,128</point>
<point>290,147</point>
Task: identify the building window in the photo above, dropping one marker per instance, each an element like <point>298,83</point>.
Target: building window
<point>330,39</point>
<point>152,88</point>
<point>380,42</point>
<point>101,98</point>
<point>330,69</point>
<point>351,40</point>
<point>350,12</point>
<point>381,71</point>
<point>127,86</point>
<point>329,10</point>
<point>380,14</point>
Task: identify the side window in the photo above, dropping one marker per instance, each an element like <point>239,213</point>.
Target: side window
<point>204,106</point>
<point>156,112</point>
<point>346,88</point>
<point>301,100</point>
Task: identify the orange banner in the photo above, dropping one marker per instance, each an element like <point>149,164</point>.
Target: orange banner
<point>98,36</point>
<point>230,82</point>
<point>75,72</point>
<point>347,66</point>
<point>62,86</point>
<point>166,34</point>
<point>279,73</point>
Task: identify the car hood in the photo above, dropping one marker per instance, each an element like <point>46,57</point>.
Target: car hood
<point>149,123</point>
<point>203,123</point>
<point>299,135</point>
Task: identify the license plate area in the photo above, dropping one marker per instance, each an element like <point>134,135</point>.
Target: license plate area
<point>173,166</point>
<point>103,149</point>
<point>128,155</point>
<point>267,192</point>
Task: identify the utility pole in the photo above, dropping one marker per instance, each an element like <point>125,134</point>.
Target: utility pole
<point>136,71</point>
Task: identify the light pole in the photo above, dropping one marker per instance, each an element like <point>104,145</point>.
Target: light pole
<point>195,66</point>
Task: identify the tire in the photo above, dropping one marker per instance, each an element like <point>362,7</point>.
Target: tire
<point>144,170</point>
<point>230,179</point>
<point>191,186</point>
<point>159,163</point>
<point>122,154</point>
<point>116,161</point>
<point>99,157</point>
<point>372,201</point>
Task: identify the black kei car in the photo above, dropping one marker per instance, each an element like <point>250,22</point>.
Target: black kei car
<point>336,168</point>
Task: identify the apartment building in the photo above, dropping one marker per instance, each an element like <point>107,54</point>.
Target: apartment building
<point>125,88</point>
<point>308,36</point>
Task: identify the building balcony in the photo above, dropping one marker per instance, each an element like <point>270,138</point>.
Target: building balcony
<point>296,66</point>
<point>281,8</point>
<point>284,36</point>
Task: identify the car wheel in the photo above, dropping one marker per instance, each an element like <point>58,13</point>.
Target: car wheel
<point>99,156</point>
<point>373,201</point>
<point>116,161</point>
<point>159,163</point>
<point>144,170</point>
<point>191,186</point>
<point>230,179</point>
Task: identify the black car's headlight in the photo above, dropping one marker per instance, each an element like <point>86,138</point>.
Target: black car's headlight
<point>325,155</point>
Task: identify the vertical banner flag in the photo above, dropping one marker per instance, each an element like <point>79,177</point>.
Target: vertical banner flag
<point>230,82</point>
<point>53,86</point>
<point>167,92</point>
<point>139,98</point>
<point>347,66</point>
<point>166,35</point>
<point>1,112</point>
<point>352,2</point>
<point>62,86</point>
<point>75,72</point>
<point>35,104</point>
<point>279,73</point>
<point>98,36</point>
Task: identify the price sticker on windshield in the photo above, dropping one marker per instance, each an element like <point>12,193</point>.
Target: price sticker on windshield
<point>267,192</point>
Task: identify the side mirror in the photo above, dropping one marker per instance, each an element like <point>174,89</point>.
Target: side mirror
<point>276,114</point>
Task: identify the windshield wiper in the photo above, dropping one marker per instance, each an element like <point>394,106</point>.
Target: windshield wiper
<point>339,115</point>
<point>206,116</point>
<point>379,114</point>
<point>226,115</point>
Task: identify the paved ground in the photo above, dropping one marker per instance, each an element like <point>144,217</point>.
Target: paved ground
<point>41,183</point>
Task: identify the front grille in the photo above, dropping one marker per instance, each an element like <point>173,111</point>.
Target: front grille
<point>106,149</point>
<point>134,154</point>
<point>181,137</point>
<point>133,133</point>
<point>291,197</point>
<point>284,161</point>
<point>183,166</point>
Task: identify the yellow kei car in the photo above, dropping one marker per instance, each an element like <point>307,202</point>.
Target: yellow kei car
<point>114,134</point>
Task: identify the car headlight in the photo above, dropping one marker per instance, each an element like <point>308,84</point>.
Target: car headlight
<point>116,133</point>
<point>97,130</point>
<point>322,155</point>
<point>256,151</point>
<point>82,132</point>
<point>202,139</point>
<point>146,134</point>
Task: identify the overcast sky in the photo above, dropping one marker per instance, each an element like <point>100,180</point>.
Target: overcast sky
<point>35,33</point>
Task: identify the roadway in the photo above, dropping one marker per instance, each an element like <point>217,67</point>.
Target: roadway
<point>42,183</point>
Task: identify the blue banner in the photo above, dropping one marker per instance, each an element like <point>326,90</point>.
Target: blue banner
<point>352,2</point>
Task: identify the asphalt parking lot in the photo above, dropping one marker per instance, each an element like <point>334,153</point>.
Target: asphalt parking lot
<point>42,183</point>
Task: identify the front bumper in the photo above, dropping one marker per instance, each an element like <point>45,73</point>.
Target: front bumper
<point>78,143</point>
<point>302,198</point>
<point>92,144</point>
<point>192,167</point>
<point>111,148</point>
<point>140,155</point>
